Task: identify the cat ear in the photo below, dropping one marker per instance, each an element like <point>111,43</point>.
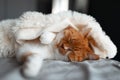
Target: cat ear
<point>86,32</point>
<point>81,27</point>
<point>67,33</point>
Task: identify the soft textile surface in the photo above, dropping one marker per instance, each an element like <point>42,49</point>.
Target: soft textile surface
<point>60,70</point>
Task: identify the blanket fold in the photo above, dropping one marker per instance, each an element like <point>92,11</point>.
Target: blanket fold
<point>60,70</point>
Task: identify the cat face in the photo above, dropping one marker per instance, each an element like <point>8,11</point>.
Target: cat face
<point>75,45</point>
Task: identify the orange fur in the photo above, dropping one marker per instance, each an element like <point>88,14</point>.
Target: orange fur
<point>77,45</point>
<point>90,38</point>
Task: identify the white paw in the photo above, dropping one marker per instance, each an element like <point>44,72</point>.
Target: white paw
<point>32,67</point>
<point>6,50</point>
<point>47,37</point>
<point>27,72</point>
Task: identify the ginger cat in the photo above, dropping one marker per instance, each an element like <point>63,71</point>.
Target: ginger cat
<point>68,43</point>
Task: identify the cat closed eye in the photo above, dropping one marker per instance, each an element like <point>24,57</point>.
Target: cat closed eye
<point>66,47</point>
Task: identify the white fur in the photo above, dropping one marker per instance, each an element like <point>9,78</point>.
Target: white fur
<point>47,37</point>
<point>34,24</point>
<point>29,26</point>
<point>34,62</point>
<point>7,40</point>
<point>32,66</point>
<point>39,52</point>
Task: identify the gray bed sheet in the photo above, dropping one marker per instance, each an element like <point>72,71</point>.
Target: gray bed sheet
<point>103,69</point>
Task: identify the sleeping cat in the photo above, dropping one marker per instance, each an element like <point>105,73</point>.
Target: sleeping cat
<point>68,45</point>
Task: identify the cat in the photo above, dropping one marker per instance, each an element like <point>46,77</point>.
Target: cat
<point>71,46</point>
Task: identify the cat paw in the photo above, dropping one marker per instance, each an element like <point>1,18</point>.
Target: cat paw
<point>6,50</point>
<point>32,66</point>
<point>47,37</point>
<point>29,73</point>
<point>75,58</point>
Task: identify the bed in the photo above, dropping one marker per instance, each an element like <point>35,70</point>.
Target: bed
<point>102,69</point>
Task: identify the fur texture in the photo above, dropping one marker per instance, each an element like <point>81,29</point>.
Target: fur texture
<point>7,39</point>
<point>35,37</point>
<point>76,45</point>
